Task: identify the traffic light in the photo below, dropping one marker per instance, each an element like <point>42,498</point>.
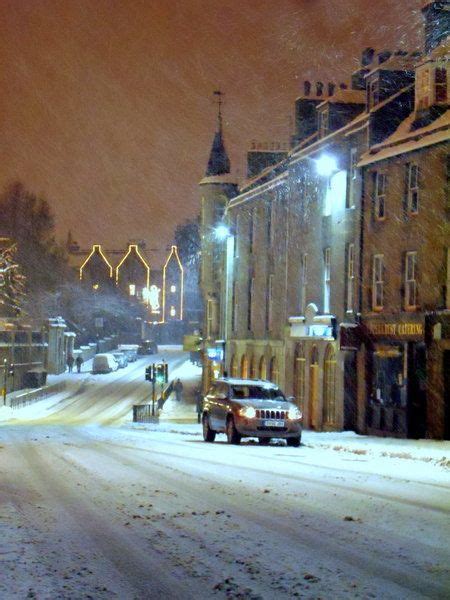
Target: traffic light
<point>161,374</point>
<point>149,373</point>
<point>11,370</point>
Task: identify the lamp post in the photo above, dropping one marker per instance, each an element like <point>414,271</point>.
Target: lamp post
<point>5,378</point>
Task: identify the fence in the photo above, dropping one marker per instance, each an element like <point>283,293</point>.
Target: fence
<point>31,396</point>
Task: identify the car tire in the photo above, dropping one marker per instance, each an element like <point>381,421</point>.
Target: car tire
<point>209,435</point>
<point>294,442</point>
<point>233,436</point>
<point>264,441</point>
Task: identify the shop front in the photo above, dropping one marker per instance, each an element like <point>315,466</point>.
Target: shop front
<point>396,375</point>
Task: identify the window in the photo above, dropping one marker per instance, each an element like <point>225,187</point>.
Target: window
<point>374,93</point>
<point>440,83</point>
<point>353,176</point>
<point>250,292</point>
<point>377,282</point>
<point>380,196</point>
<point>304,282</point>
<point>252,230</point>
<point>326,280</point>
<point>350,277</point>
<point>173,289</point>
<point>173,312</point>
<point>410,280</point>
<point>233,307</point>
<point>236,236</point>
<point>269,223</point>
<point>324,123</point>
<point>132,289</point>
<point>423,89</point>
<point>412,200</point>
<point>269,305</point>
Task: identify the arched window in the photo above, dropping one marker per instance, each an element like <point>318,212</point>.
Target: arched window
<point>329,386</point>
<point>253,368</point>
<point>274,373</point>
<point>263,368</point>
<point>300,375</point>
<point>233,366</point>
<point>244,367</point>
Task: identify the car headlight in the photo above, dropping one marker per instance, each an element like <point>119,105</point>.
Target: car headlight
<point>248,411</point>
<point>294,413</point>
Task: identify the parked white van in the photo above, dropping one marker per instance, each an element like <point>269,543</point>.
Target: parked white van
<point>104,363</point>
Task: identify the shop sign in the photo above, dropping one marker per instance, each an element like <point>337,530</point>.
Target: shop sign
<point>396,329</point>
<point>215,353</point>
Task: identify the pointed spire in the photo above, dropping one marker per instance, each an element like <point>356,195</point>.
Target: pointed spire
<point>218,163</point>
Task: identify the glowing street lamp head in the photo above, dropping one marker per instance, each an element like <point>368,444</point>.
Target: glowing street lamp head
<point>221,232</point>
<point>326,165</point>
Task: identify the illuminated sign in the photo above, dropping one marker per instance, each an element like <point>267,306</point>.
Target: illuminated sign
<point>152,297</point>
<point>396,329</point>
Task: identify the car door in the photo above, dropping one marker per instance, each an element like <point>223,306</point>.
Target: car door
<point>222,403</point>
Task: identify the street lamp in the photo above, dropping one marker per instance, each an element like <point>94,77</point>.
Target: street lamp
<point>222,232</point>
<point>326,165</point>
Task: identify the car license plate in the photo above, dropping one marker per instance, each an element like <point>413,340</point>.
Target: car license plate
<point>273,423</point>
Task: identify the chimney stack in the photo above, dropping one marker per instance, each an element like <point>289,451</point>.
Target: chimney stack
<point>437,23</point>
<point>367,57</point>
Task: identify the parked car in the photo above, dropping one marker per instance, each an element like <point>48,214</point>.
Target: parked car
<point>130,350</point>
<point>104,363</point>
<point>121,358</point>
<point>148,347</point>
<point>250,408</point>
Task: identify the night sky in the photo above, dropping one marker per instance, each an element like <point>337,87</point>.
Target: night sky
<point>106,105</point>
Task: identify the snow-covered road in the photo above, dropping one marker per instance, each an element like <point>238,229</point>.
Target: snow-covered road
<point>94,507</point>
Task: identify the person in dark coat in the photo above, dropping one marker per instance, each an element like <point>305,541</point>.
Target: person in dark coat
<point>79,362</point>
<point>178,389</point>
<point>70,361</point>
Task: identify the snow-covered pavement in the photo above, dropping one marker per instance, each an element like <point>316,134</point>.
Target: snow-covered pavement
<point>93,506</point>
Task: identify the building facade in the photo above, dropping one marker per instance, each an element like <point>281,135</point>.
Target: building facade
<point>305,294</point>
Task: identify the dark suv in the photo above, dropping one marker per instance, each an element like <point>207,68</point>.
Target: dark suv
<point>250,408</point>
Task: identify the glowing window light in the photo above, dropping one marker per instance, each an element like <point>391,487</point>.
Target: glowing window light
<point>132,289</point>
<point>151,296</point>
<point>96,249</point>
<point>326,165</point>
<point>173,253</point>
<point>173,312</point>
<point>173,289</point>
<point>95,286</point>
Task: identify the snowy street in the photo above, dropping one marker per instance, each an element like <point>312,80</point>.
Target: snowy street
<point>93,506</point>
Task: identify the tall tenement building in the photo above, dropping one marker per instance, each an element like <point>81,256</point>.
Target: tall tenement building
<point>334,277</point>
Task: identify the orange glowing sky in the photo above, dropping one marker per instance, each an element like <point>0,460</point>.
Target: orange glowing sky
<point>106,105</point>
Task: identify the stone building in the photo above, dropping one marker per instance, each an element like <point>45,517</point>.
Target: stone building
<point>294,279</point>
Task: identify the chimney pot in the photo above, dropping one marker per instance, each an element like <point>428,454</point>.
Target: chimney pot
<point>331,88</point>
<point>307,87</point>
<point>319,88</point>
<point>343,86</point>
<point>367,57</point>
<point>383,56</point>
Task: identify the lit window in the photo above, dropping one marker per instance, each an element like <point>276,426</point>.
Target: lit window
<point>173,289</point>
<point>410,280</point>
<point>173,312</point>
<point>380,196</point>
<point>423,89</point>
<point>95,286</point>
<point>335,196</point>
<point>350,276</point>
<point>377,282</point>
<point>132,289</point>
<point>412,200</point>
<point>326,280</point>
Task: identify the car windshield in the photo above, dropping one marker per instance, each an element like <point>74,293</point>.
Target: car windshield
<point>256,392</point>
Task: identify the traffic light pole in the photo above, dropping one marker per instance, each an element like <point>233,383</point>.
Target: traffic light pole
<point>5,380</point>
<point>153,396</point>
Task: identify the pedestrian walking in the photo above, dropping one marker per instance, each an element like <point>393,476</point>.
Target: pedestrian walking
<point>178,388</point>
<point>70,361</point>
<point>79,362</point>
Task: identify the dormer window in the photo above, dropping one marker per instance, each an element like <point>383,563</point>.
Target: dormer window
<point>432,86</point>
